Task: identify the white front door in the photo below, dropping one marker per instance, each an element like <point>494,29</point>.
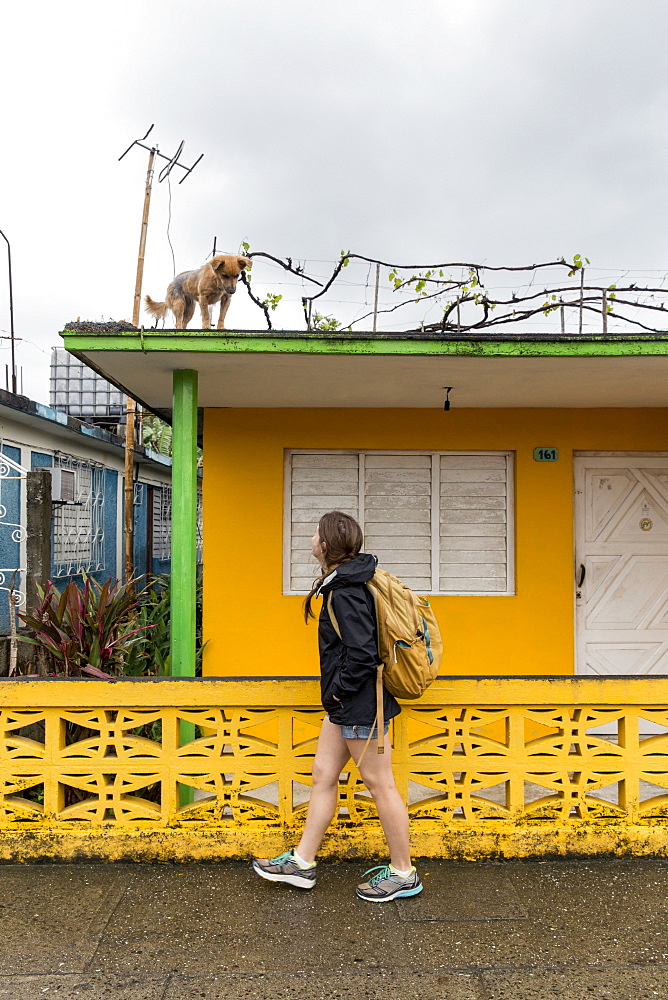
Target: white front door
<point>621,564</point>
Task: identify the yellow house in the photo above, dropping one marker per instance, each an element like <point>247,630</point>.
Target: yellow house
<point>534,528</point>
<point>533,512</point>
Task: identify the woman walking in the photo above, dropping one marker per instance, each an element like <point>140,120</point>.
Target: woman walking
<point>348,691</point>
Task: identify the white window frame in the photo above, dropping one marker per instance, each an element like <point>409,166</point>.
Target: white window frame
<point>435,590</point>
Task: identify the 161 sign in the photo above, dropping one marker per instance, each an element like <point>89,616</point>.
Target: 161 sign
<point>546,454</point>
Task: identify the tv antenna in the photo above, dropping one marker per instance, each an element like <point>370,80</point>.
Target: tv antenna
<point>171,163</point>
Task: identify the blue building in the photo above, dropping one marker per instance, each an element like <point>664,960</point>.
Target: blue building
<point>87,464</point>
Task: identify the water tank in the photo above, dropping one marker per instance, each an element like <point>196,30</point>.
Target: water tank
<point>80,392</point>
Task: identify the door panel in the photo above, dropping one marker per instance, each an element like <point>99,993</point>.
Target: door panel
<point>621,534</point>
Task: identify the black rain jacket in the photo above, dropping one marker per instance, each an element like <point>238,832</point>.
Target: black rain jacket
<point>348,665</point>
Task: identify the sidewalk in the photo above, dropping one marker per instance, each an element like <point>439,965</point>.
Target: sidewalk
<point>510,931</point>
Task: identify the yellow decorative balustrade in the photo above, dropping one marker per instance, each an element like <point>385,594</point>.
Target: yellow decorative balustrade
<point>498,767</point>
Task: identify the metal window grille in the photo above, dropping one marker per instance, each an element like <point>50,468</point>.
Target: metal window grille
<point>78,528</point>
<point>162,523</point>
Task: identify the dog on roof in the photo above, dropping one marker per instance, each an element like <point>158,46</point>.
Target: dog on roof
<point>215,281</point>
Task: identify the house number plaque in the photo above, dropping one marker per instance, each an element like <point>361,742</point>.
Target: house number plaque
<point>546,454</point>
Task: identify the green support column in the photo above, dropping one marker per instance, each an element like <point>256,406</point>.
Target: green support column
<point>184,522</point>
<point>184,537</point>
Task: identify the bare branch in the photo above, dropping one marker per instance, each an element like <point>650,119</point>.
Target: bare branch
<point>482,267</point>
<point>429,283</point>
<point>263,305</point>
<point>285,264</point>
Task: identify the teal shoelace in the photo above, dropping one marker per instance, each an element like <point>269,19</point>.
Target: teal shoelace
<point>282,858</point>
<point>384,871</point>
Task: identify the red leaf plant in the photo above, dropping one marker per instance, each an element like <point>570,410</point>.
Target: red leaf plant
<point>87,630</point>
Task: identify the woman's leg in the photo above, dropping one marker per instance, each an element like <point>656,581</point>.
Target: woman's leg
<point>331,757</point>
<point>376,772</point>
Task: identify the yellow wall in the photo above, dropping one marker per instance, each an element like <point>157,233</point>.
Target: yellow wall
<point>252,629</point>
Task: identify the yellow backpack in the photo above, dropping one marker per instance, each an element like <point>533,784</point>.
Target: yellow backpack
<point>409,642</point>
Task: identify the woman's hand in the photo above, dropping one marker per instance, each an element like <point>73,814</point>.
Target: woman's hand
<point>335,698</point>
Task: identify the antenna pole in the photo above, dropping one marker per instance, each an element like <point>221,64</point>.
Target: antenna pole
<point>128,496</point>
<point>142,239</point>
<point>11,310</point>
<point>131,408</point>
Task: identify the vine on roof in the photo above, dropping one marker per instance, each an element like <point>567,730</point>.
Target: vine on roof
<point>465,298</point>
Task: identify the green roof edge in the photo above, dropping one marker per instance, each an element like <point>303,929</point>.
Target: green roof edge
<point>290,342</point>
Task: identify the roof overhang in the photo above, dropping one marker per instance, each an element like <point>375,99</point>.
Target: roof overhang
<point>294,369</point>
<point>57,425</point>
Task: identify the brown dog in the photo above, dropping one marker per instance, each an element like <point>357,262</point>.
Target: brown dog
<point>214,281</point>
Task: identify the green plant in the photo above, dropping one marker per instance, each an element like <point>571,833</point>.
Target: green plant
<point>105,630</point>
<point>156,434</point>
<point>152,654</point>
<point>327,323</point>
<point>86,630</point>
<point>578,264</point>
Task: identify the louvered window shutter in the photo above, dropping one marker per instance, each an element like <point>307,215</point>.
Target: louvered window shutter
<point>320,482</point>
<point>397,515</point>
<point>439,521</point>
<point>473,524</point>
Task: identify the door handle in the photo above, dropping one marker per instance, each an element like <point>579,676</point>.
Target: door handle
<point>581,575</point>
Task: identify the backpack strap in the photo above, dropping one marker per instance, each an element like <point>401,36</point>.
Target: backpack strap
<point>380,709</point>
<point>379,721</point>
<point>376,604</point>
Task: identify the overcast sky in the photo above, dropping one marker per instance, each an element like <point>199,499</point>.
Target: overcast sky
<point>504,131</point>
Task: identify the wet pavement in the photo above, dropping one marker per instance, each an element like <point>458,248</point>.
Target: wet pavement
<point>536,930</point>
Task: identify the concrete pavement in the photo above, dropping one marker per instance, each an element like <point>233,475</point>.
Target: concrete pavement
<point>569,929</point>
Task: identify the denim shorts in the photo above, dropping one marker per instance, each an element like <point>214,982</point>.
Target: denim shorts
<point>361,732</point>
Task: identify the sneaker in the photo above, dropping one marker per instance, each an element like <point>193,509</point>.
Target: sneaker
<point>284,868</point>
<point>386,885</point>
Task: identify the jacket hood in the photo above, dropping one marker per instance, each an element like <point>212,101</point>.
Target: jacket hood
<point>358,570</point>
